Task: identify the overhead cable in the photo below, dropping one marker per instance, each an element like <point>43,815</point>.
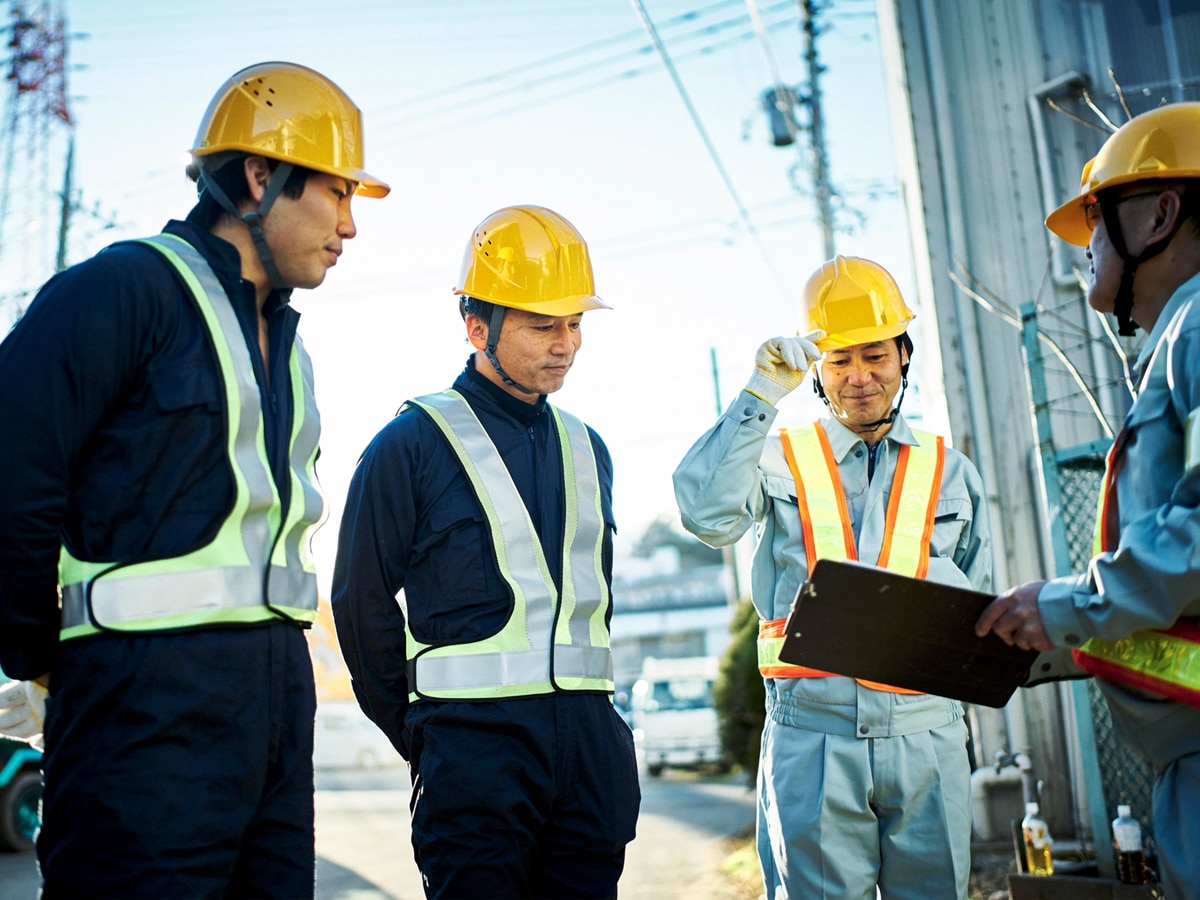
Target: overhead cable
<point>571,54</point>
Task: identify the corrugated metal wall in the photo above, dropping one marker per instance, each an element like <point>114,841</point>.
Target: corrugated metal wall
<point>983,158</point>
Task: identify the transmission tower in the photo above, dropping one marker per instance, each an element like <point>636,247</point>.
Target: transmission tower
<point>35,152</point>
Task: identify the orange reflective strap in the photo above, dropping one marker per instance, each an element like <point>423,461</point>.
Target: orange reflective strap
<point>770,641</point>
<point>824,517</point>
<point>1164,662</point>
<point>912,509</point>
<point>828,532</point>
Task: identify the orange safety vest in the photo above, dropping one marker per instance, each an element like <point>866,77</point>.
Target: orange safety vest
<point>828,534</point>
<point>1162,661</point>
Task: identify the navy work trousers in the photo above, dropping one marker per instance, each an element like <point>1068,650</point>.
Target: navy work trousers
<point>180,765</point>
<point>533,797</point>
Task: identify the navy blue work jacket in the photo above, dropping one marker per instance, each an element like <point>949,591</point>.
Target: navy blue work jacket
<point>412,521</point>
<point>113,412</point>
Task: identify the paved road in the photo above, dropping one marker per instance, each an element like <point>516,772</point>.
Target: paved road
<point>364,851</point>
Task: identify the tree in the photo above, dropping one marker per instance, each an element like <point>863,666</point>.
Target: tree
<point>739,695</point>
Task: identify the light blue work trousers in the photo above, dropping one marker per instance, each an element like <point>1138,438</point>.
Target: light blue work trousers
<point>839,815</point>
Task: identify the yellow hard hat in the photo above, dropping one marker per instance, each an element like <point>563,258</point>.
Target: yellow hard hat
<point>1161,144</point>
<point>530,258</point>
<point>854,301</point>
<point>288,112</point>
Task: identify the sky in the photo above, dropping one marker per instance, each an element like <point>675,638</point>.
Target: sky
<point>701,241</point>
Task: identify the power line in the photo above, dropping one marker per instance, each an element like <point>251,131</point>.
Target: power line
<point>570,91</point>
<point>582,69</point>
<point>743,212</point>
<point>573,53</point>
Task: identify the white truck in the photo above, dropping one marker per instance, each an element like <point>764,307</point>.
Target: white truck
<point>674,720</point>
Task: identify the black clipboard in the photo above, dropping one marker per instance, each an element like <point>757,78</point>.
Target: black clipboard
<point>865,622</point>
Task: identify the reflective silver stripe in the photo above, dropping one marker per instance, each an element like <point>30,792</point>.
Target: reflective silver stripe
<point>123,600</point>
<point>520,654</point>
<point>482,671</point>
<point>1191,441</point>
<point>247,425</point>
<point>522,560</point>
<point>292,587</point>
<point>229,573</point>
<point>306,432</point>
<point>582,576</point>
<point>583,662</point>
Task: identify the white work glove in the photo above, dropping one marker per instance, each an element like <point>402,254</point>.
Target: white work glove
<point>22,710</point>
<point>781,364</point>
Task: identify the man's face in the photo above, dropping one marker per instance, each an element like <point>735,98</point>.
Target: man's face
<point>306,235</point>
<point>1134,211</point>
<point>536,351</point>
<point>861,381</point>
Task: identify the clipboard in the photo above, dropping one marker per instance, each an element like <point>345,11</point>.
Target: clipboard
<point>865,622</point>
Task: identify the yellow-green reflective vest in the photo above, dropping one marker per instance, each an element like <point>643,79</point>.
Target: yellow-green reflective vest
<point>554,640</point>
<point>825,520</point>
<point>259,565</point>
<point>1162,661</point>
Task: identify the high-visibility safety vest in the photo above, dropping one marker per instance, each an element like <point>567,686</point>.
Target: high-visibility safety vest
<point>1162,661</point>
<point>555,639</point>
<point>258,566</point>
<point>828,533</point>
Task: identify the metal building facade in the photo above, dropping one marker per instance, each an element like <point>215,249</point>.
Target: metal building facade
<point>984,155</point>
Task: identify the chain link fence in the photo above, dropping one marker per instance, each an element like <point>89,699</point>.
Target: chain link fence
<point>1125,776</point>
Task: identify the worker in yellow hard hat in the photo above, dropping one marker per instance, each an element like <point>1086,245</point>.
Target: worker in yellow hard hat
<point>155,573</point>
<point>1133,619</point>
<point>861,786</point>
<point>492,511</point>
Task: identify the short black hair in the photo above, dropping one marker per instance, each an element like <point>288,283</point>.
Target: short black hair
<point>1189,201</point>
<point>230,178</point>
<point>904,342</point>
<point>473,306</point>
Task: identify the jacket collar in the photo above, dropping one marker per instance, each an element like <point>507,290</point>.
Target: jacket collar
<point>842,440</point>
<point>491,395</point>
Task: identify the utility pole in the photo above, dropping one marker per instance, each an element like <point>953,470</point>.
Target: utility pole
<point>729,553</point>
<point>66,207</point>
<point>36,121</point>
<point>780,102</point>
<point>818,158</point>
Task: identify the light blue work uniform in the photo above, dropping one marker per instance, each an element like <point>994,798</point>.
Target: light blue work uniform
<point>1151,580</point>
<point>856,787</point>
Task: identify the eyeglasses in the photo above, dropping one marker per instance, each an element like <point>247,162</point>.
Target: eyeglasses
<point>1092,211</point>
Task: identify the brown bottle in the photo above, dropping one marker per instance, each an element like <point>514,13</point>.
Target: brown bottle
<point>1127,840</point>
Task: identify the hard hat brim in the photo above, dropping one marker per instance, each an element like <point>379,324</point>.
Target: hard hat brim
<point>561,306</point>
<point>1069,222</point>
<point>368,185</point>
<point>858,336</point>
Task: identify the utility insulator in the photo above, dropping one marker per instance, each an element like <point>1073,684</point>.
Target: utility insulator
<point>780,105</point>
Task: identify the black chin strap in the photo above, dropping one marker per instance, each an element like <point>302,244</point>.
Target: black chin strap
<point>1123,303</point>
<point>870,426</point>
<point>493,338</point>
<point>254,220</point>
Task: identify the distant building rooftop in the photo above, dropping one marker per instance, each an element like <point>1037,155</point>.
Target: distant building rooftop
<point>686,589</point>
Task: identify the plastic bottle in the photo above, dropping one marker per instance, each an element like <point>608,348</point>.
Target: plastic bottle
<point>1127,840</point>
<point>1037,842</point>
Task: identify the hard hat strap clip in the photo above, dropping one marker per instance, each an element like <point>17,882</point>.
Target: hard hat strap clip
<point>495,321</point>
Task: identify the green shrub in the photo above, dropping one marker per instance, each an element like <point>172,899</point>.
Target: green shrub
<point>738,693</point>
